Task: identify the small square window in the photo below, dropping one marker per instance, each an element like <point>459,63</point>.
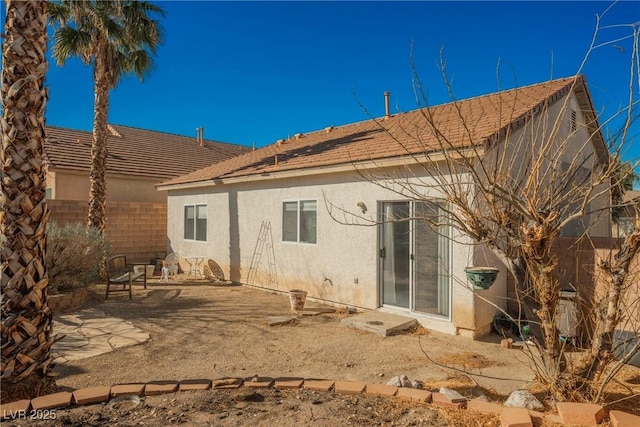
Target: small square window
<point>195,222</point>
<point>300,221</point>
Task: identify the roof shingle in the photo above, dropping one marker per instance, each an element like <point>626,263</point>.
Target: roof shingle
<point>138,152</point>
<point>470,121</point>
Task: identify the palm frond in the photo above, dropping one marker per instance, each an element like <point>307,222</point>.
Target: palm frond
<point>140,63</point>
<point>57,13</point>
<point>69,42</point>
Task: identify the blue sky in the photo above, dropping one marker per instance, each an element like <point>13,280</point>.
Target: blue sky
<point>255,72</point>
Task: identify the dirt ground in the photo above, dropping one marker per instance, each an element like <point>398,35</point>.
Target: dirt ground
<point>201,330</point>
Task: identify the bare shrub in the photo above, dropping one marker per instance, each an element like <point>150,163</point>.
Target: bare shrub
<point>74,252</point>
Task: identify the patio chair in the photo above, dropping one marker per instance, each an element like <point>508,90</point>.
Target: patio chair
<point>170,265</point>
<point>120,272</point>
<point>212,271</point>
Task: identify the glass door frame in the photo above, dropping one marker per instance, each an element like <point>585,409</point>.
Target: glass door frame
<point>412,262</point>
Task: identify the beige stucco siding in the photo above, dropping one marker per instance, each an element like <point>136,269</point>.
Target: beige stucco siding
<point>537,153</point>
<point>329,269</point>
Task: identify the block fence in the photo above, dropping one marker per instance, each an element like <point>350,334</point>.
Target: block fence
<point>578,270</point>
<point>136,229</point>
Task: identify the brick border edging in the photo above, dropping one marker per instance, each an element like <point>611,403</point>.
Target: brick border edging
<point>588,414</point>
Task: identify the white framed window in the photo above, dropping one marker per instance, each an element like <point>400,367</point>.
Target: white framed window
<point>195,222</point>
<point>300,221</point>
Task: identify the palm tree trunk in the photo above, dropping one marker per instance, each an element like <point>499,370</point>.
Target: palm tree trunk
<point>98,190</point>
<point>26,317</point>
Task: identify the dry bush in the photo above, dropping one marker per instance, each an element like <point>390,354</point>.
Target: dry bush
<point>74,252</point>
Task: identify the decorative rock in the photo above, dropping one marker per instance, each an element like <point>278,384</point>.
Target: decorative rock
<point>478,394</point>
<point>523,399</point>
<point>400,381</point>
<point>583,414</point>
<point>417,384</point>
<point>395,381</point>
<point>452,395</point>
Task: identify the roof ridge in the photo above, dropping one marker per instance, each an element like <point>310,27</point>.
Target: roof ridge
<point>575,77</point>
<point>146,130</point>
<point>177,134</point>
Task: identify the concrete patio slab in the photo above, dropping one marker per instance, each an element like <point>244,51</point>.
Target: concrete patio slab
<point>380,323</point>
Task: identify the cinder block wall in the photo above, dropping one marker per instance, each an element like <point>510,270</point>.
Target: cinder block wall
<point>136,229</point>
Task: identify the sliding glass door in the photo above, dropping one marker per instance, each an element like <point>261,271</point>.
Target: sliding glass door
<point>414,258</point>
<point>395,253</point>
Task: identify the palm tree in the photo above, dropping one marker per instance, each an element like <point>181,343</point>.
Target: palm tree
<point>26,317</point>
<point>116,38</point>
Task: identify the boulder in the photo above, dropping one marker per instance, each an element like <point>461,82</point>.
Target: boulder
<point>523,399</point>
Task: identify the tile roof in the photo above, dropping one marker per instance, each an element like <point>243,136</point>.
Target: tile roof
<point>392,137</point>
<point>137,152</point>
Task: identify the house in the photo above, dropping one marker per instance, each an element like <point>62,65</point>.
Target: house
<point>137,160</point>
<point>278,206</point>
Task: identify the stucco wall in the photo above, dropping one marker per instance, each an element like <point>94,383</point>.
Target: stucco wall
<point>73,185</point>
<point>328,270</point>
<point>552,146</point>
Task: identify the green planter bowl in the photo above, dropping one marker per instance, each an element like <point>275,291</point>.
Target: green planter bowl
<point>481,277</point>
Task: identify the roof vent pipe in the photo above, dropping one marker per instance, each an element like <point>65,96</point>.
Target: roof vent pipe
<point>386,104</point>
<point>200,136</point>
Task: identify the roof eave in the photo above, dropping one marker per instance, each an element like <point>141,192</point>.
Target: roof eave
<point>401,161</point>
<point>595,130</point>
